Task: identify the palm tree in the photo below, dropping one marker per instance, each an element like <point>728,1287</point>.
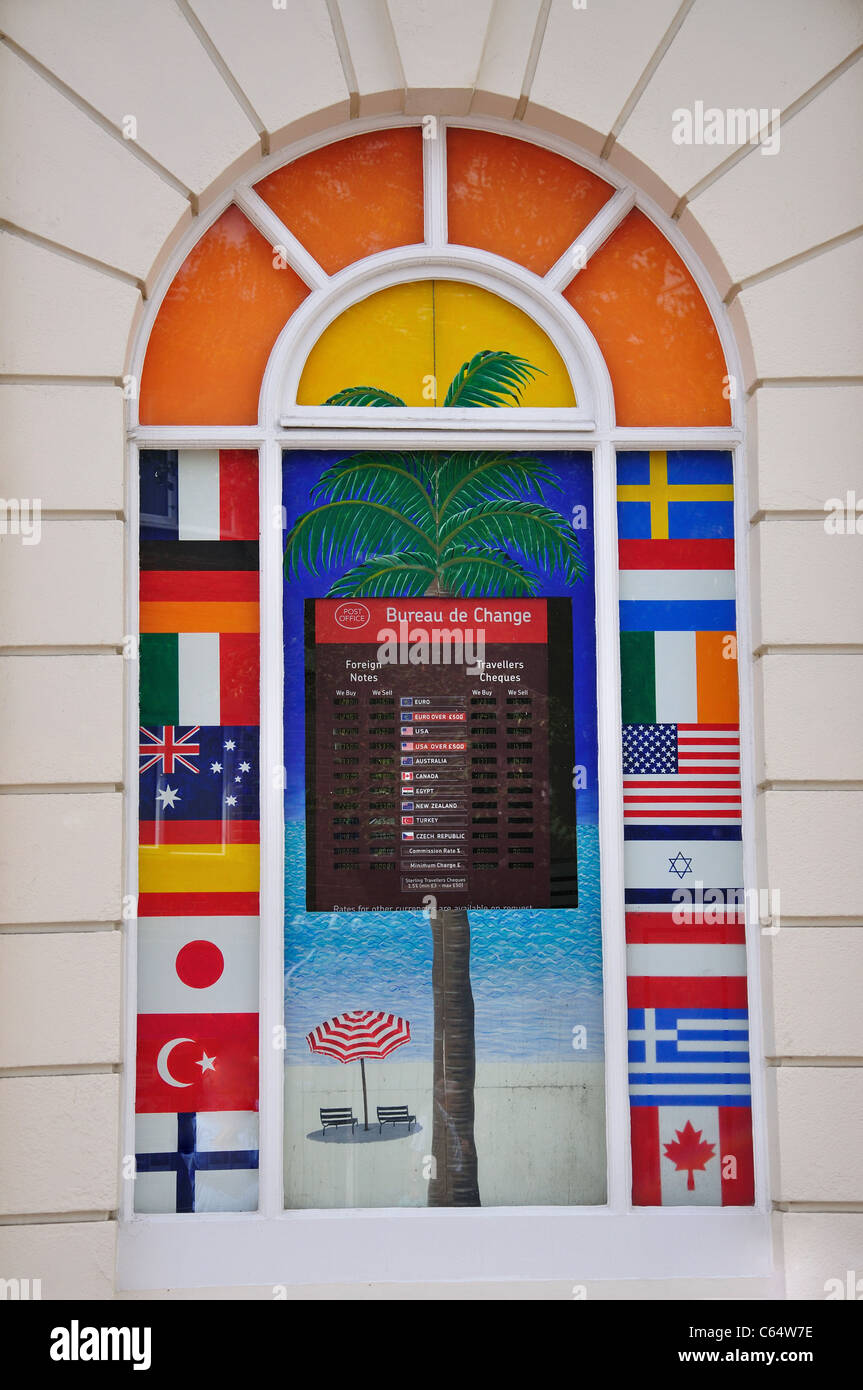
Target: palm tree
<point>458,524</point>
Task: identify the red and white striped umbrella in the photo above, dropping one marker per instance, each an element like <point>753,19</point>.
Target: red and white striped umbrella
<point>358,1034</point>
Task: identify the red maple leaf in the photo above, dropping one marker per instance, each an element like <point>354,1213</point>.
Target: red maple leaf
<point>689,1151</point>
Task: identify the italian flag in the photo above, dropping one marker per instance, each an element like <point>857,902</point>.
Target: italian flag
<point>200,678</point>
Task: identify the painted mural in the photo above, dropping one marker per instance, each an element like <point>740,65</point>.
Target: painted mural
<point>442,1050</point>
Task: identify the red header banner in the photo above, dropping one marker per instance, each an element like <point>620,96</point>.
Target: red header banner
<point>377,620</point>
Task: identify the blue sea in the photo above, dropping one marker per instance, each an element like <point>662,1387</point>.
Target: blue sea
<point>536,974</point>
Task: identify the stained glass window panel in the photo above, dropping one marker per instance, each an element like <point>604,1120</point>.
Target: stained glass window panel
<point>352,198</point>
<point>216,328</point>
<point>413,338</point>
<point>654,330</point>
<point>517,199</point>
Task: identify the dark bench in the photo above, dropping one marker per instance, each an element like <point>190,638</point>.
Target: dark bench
<point>342,1115</point>
<point>394,1115</point>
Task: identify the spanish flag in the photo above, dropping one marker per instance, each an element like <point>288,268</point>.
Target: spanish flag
<point>196,878</point>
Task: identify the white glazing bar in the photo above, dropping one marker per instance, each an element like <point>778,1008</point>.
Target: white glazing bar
<point>423,438</point>
<point>576,256</point>
<point>283,241</point>
<point>752,882</point>
<point>198,436</point>
<point>295,422</point>
<point>272,835</point>
<point>619,1165</point>
<point>677,437</point>
<point>408,419</point>
<point>434,181</point>
<point>130,808</point>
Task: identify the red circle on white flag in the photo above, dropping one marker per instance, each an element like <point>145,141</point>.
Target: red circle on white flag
<point>199,964</point>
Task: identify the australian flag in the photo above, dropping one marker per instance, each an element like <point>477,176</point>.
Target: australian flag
<point>203,773</point>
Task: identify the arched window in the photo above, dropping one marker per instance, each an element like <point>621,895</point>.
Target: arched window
<point>540,952</point>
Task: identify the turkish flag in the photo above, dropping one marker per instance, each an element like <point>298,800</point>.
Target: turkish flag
<point>197,1062</point>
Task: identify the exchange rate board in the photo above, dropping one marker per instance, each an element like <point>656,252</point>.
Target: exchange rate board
<point>439,754</point>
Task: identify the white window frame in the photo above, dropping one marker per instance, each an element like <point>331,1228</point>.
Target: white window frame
<point>411,1245</point>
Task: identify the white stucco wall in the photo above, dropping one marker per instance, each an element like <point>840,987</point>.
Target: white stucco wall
<point>90,219</point>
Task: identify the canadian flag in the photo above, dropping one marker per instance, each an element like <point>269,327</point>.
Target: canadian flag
<point>692,1156</point>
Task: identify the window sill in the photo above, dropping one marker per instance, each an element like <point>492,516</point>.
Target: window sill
<point>408,1245</point>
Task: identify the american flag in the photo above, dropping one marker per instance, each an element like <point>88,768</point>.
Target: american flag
<point>681,773</point>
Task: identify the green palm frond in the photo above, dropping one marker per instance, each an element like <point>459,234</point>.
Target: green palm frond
<point>490,378</point>
<point>470,573</point>
<point>539,534</point>
<point>364,395</point>
<point>330,535</point>
<point>385,576</point>
<point>466,479</point>
<point>391,479</point>
<point>460,520</point>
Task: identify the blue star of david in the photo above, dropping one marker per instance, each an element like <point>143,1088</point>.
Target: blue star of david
<point>680,865</point>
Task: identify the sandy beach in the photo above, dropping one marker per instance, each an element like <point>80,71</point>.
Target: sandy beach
<point>540,1135</point>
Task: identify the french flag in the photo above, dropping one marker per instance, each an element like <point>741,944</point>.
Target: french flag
<point>199,494</point>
